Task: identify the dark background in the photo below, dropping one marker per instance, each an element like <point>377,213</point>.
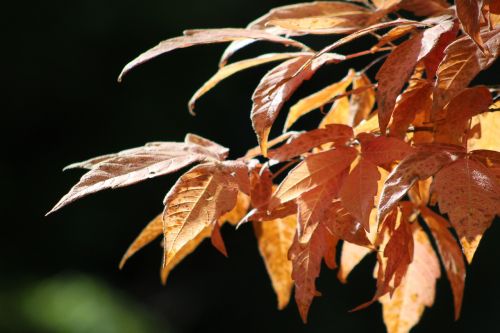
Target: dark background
<point>61,104</point>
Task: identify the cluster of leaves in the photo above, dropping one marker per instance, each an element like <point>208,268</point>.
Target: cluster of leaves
<point>382,155</point>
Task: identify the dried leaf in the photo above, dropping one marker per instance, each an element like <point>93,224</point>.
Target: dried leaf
<point>450,252</point>
<point>404,309</point>
<point>135,165</point>
<point>275,238</point>
<point>418,166</point>
<point>208,36</point>
<point>424,7</point>
<point>350,257</point>
<point>462,62</point>
<point>489,123</point>
<point>361,104</point>
<point>469,14</point>
<point>317,99</point>
<point>458,112</point>
<point>304,142</point>
<point>197,200</point>
<point>314,171</point>
<point>470,203</point>
<point>151,232</point>
<point>236,67</point>
<point>359,190</point>
<point>273,91</point>
<point>383,150</point>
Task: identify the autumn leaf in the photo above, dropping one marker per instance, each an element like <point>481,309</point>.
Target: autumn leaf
<point>317,99</point>
<point>316,170</point>
<point>404,309</point>
<point>425,7</point>
<point>236,67</point>
<point>195,203</point>
<point>416,99</point>
<point>489,123</point>
<point>399,66</point>
<point>450,252</point>
<point>462,62</point>
<point>304,142</point>
<point>275,88</point>
<point>275,238</point>
<point>471,203</point>
<point>359,190</point>
<point>469,14</point>
<point>306,261</point>
<point>350,257</point>
<point>457,113</point>
<point>383,150</point>
<point>135,165</point>
<point>418,166</point>
<point>151,232</point>
<point>361,104</point>
<point>207,36</point>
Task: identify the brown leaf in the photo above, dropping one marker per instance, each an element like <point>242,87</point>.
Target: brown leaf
<point>489,123</point>
<point>404,309</point>
<point>469,14</point>
<point>338,114</point>
<point>317,99</point>
<point>451,255</point>
<point>151,232</point>
<point>416,99</point>
<point>424,7</point>
<point>275,238</point>
<point>392,35</point>
<point>238,212</point>
<point>350,257</point>
<point>470,203</point>
<point>434,58</point>
<point>359,190</point>
<point>458,112</point>
<point>236,67</point>
<point>361,104</point>
<point>275,88</point>
<point>261,183</point>
<point>313,206</point>
<point>462,62</point>
<point>304,142</point>
<point>399,66</point>
<point>207,36</point>
<point>183,252</point>
<point>418,166</point>
<point>196,202</point>
<point>135,165</point>
<point>316,170</point>
<point>306,261</point>
<point>382,150</point>
<point>345,226</point>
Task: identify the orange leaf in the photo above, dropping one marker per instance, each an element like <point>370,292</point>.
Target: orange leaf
<point>316,170</point>
<point>469,14</point>
<point>304,142</point>
<point>458,112</point>
<point>418,166</point>
<point>275,238</point>
<point>196,202</point>
<point>404,309</point>
<point>359,190</point>
<point>383,150</point>
<point>135,165</point>
<point>317,99</point>
<point>462,62</point>
<point>470,203</point>
<point>306,261</point>
<point>361,104</point>
<point>226,71</point>
<point>275,88</point>
<point>450,252</point>
<point>350,257</point>
<point>152,231</point>
<point>339,113</point>
<point>207,36</point>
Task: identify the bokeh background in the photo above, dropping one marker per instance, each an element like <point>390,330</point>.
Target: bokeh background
<point>61,103</point>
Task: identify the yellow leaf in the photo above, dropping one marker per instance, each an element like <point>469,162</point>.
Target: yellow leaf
<point>274,239</point>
